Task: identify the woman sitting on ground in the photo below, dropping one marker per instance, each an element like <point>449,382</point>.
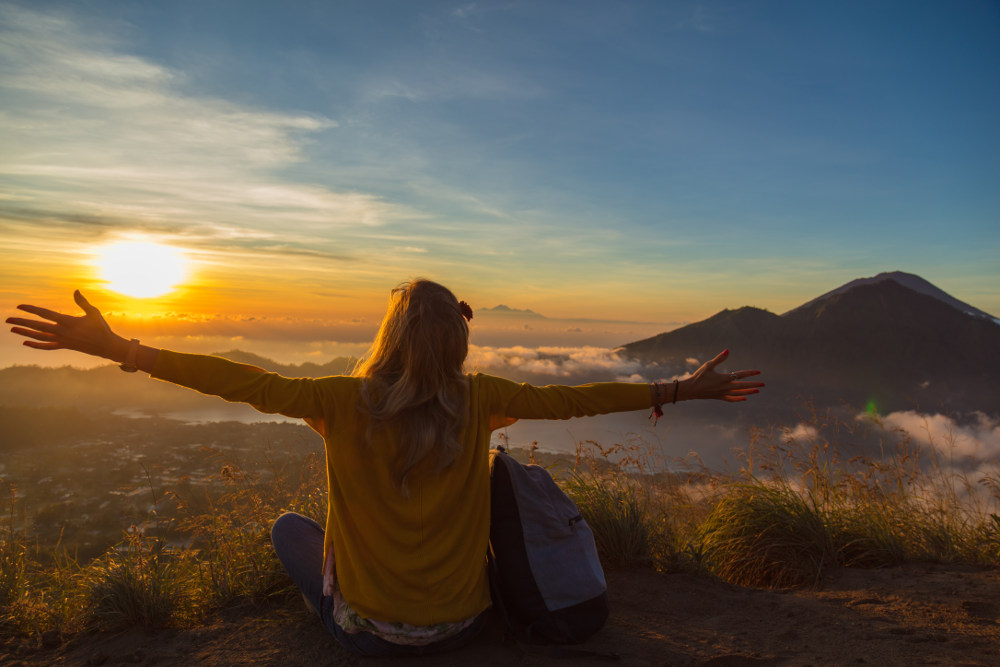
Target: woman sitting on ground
<point>400,566</point>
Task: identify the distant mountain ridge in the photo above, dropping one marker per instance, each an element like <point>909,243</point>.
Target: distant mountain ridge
<point>336,366</point>
<point>106,387</point>
<point>872,340</point>
<point>505,310</point>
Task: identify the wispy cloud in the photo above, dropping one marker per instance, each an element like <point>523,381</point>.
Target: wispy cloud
<point>115,137</point>
<point>262,329</point>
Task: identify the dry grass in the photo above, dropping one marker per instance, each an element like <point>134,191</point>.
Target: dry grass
<point>801,500</point>
<point>231,533</point>
<point>141,582</point>
<point>617,511</point>
<point>144,581</point>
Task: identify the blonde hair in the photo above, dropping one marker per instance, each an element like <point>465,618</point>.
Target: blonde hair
<point>413,380</point>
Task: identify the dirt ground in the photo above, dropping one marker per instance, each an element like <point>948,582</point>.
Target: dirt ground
<point>917,614</point>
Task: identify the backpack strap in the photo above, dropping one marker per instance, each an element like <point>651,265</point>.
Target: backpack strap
<point>509,623</point>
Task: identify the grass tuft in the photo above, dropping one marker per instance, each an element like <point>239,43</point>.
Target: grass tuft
<point>616,509</point>
<point>140,582</point>
<point>766,536</point>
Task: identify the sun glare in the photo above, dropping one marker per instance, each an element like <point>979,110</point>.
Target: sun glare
<point>141,269</point>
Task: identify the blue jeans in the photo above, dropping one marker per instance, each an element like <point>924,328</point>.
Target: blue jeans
<point>298,541</point>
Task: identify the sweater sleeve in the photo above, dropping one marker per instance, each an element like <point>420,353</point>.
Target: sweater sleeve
<point>240,383</point>
<point>525,401</point>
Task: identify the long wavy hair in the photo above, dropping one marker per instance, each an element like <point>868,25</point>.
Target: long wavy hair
<point>414,384</point>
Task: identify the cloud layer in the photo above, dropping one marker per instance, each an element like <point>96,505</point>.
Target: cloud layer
<point>563,365</point>
<point>978,439</point>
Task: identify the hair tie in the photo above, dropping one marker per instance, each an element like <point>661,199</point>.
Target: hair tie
<point>466,310</point>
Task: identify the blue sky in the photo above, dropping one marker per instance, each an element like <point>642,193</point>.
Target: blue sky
<point>653,161</point>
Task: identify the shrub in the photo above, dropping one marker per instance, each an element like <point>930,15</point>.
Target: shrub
<point>615,508</point>
<point>140,582</point>
<point>766,536</point>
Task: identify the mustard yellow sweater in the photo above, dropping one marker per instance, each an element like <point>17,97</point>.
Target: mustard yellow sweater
<point>417,560</point>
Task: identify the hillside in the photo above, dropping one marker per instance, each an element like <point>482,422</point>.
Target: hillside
<point>74,387</point>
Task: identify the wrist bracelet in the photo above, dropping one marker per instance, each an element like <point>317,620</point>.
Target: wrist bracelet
<point>129,365</point>
<point>654,391</point>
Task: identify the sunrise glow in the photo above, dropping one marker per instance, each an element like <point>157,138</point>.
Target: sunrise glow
<point>141,269</point>
<point>630,168</point>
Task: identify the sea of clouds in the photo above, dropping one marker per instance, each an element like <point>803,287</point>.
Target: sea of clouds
<point>977,439</point>
<point>958,453</point>
<point>569,365</point>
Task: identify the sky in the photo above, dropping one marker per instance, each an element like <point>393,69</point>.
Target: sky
<point>619,167</point>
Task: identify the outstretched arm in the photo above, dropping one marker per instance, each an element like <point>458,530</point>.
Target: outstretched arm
<point>88,333</point>
<point>511,401</point>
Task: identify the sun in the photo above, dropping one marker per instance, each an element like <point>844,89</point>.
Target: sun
<point>141,269</point>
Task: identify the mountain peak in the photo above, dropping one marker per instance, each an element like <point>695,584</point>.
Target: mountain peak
<point>907,280</point>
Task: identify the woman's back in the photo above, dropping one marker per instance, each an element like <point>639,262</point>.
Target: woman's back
<point>421,558</point>
<point>417,558</point>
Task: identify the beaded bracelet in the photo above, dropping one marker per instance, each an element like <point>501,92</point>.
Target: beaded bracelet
<point>656,391</point>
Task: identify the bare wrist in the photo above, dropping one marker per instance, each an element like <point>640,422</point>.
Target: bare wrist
<point>684,390</point>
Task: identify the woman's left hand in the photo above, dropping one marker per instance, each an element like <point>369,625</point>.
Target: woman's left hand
<point>707,383</point>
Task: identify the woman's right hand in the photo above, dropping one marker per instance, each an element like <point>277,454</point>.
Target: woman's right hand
<point>731,387</point>
<point>88,333</point>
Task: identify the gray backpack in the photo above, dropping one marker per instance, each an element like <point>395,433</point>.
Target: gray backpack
<point>545,576</point>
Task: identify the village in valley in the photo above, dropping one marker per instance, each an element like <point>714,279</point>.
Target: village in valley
<point>78,481</point>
